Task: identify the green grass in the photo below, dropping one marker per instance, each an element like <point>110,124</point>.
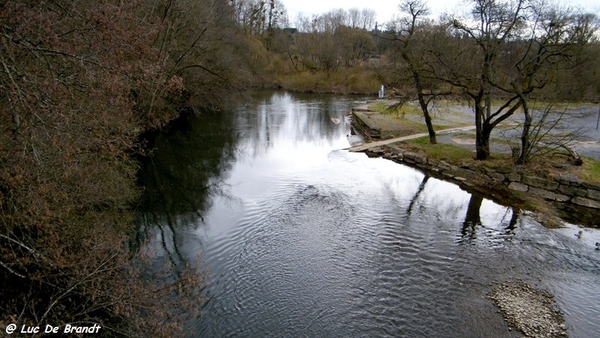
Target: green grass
<point>457,155</point>
<point>590,170</point>
<point>378,106</point>
<point>447,152</point>
<point>405,109</point>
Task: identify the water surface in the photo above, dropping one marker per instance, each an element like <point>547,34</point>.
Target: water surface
<point>303,239</point>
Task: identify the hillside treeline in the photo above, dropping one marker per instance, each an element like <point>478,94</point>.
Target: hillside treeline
<point>349,51</point>
<point>500,56</point>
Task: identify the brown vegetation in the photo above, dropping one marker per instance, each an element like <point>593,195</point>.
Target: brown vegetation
<point>79,81</point>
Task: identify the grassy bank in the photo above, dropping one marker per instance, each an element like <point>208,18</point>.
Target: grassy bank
<point>551,165</point>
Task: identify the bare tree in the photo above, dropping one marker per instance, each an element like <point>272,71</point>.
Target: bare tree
<point>368,19</point>
<point>354,45</point>
<point>551,43</point>
<point>471,67</point>
<point>407,31</point>
<point>547,131</point>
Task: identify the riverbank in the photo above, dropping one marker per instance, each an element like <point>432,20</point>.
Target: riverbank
<point>551,186</point>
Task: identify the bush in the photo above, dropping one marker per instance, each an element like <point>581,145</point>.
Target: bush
<point>76,82</point>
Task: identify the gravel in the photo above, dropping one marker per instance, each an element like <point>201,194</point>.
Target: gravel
<point>528,310</point>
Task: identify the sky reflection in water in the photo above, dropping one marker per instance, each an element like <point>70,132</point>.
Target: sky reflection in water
<point>305,239</point>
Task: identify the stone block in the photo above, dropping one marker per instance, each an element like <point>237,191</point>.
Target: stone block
<point>408,156</point>
<point>514,177</point>
<point>591,186</point>
<point>562,198</point>
<point>496,176</point>
<point>541,183</point>
<point>572,191</point>
<point>444,165</point>
<point>569,179</point>
<point>593,194</point>
<point>586,202</point>
<point>518,186</point>
<point>549,195</point>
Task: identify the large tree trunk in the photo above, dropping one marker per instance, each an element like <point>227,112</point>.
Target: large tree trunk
<point>482,146</point>
<point>425,109</point>
<point>421,97</point>
<point>525,137</point>
<point>482,130</point>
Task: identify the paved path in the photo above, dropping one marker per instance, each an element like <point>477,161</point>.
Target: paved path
<point>369,145</point>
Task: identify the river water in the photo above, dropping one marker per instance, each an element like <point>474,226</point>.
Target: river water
<point>304,239</point>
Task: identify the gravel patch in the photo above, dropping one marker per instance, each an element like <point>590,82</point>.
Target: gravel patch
<point>528,310</point>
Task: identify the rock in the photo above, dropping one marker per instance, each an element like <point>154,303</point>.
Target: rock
<point>549,195</point>
<point>496,176</point>
<point>514,177</point>
<point>541,183</point>
<point>593,194</point>
<point>518,186</point>
<point>572,190</point>
<point>561,198</point>
<point>412,157</point>
<point>591,186</point>
<point>569,179</point>
<point>586,202</point>
<point>444,165</point>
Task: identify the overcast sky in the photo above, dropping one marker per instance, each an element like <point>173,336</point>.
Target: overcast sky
<point>387,8</point>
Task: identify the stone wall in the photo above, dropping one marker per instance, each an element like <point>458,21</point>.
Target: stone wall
<point>565,189</point>
<point>365,125</point>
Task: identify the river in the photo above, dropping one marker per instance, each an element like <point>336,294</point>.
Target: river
<point>304,239</point>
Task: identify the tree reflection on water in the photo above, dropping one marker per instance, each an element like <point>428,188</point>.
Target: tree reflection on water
<point>188,164</point>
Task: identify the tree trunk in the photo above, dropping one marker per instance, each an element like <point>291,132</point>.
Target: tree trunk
<point>525,137</point>
<point>421,97</point>
<point>425,109</point>
<point>482,130</point>
<point>482,146</point>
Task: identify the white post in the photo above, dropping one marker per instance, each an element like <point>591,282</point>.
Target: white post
<point>381,92</point>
